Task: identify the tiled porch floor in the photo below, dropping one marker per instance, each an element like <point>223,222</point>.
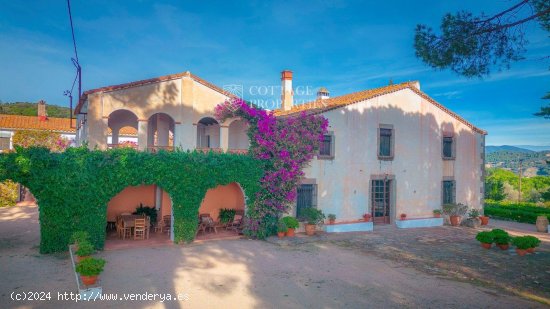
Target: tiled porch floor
<point>162,239</point>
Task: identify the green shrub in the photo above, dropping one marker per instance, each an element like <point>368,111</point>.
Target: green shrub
<point>74,187</point>
<point>84,249</point>
<point>281,227</point>
<point>501,237</point>
<point>331,217</point>
<point>8,193</point>
<point>485,237</point>
<point>79,237</point>
<point>226,215</point>
<point>437,211</point>
<point>522,242</point>
<point>519,212</point>
<point>90,266</point>
<point>291,222</point>
<point>313,215</point>
<point>534,241</point>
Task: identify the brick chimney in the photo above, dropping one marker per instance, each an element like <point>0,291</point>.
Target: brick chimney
<point>287,95</point>
<point>42,115</point>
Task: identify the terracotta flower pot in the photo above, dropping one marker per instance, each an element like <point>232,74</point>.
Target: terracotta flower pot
<point>280,234</point>
<point>437,215</point>
<point>455,220</point>
<point>88,280</point>
<point>530,250</point>
<point>330,221</point>
<point>310,229</point>
<point>521,252</point>
<point>367,217</point>
<point>403,217</point>
<point>486,246</point>
<point>290,233</point>
<point>484,220</point>
<point>503,246</point>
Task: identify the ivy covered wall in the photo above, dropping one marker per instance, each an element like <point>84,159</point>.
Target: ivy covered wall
<point>73,188</point>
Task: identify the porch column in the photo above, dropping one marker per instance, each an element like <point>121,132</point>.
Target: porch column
<point>142,134</point>
<point>114,135</point>
<point>163,131</point>
<point>224,137</point>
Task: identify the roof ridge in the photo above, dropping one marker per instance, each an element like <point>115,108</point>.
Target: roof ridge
<point>151,81</point>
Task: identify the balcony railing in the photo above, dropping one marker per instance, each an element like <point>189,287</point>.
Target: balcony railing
<point>123,145</point>
<point>155,149</point>
<point>238,151</point>
<point>206,149</point>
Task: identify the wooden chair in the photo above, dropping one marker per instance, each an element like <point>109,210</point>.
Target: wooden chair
<point>166,224</point>
<point>122,231</point>
<point>139,229</point>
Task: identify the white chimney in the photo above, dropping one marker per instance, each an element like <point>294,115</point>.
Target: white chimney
<point>287,95</point>
<point>323,93</point>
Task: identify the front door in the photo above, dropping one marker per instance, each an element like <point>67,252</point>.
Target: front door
<point>380,200</point>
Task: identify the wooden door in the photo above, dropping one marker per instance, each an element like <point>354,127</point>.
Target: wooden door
<point>380,200</point>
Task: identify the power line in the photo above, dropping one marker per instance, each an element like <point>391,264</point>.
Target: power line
<point>76,63</point>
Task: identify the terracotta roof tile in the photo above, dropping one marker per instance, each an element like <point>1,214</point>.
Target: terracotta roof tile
<point>18,122</point>
<point>320,106</point>
<point>61,125</point>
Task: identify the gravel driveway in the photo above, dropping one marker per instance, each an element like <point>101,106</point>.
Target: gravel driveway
<point>234,274</point>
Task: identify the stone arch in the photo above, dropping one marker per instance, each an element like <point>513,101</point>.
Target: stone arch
<point>208,133</point>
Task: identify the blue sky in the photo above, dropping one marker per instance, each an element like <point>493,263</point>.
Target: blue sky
<point>344,45</point>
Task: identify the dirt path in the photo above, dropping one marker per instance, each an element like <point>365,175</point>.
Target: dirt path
<point>236,274</point>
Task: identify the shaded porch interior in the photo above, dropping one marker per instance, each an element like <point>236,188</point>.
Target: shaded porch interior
<point>229,197</point>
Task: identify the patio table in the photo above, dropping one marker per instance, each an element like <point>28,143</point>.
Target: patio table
<point>129,221</point>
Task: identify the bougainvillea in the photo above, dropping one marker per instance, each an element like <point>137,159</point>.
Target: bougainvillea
<point>285,145</point>
<point>51,140</point>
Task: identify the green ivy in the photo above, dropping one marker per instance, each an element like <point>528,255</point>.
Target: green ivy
<point>73,188</point>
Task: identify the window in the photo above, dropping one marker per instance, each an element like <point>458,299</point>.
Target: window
<point>449,192</point>
<point>4,143</point>
<point>307,198</point>
<point>448,148</point>
<point>385,142</point>
<point>326,148</point>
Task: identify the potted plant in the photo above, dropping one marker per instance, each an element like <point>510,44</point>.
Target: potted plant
<point>281,229</point>
<point>403,216</point>
<point>437,213</point>
<point>522,243</point>
<point>502,239</point>
<point>486,239</point>
<point>85,249</point>
<point>367,217</point>
<point>89,269</point>
<point>533,242</point>
<point>484,219</point>
<point>291,224</point>
<point>331,218</point>
<point>473,213</point>
<point>313,217</point>
<point>80,237</point>
<point>455,212</point>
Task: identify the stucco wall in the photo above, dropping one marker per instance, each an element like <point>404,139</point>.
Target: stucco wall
<point>184,99</point>
<point>230,196</point>
<point>418,167</point>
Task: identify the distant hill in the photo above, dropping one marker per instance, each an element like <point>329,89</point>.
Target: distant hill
<point>534,148</point>
<point>491,149</point>
<point>508,157</point>
<point>31,109</point>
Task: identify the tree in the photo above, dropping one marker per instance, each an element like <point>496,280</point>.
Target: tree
<point>544,110</point>
<point>470,45</point>
<point>494,190</point>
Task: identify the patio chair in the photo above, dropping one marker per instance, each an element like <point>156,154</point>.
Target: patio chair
<point>122,230</point>
<point>139,229</point>
<point>208,223</point>
<point>236,224</point>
